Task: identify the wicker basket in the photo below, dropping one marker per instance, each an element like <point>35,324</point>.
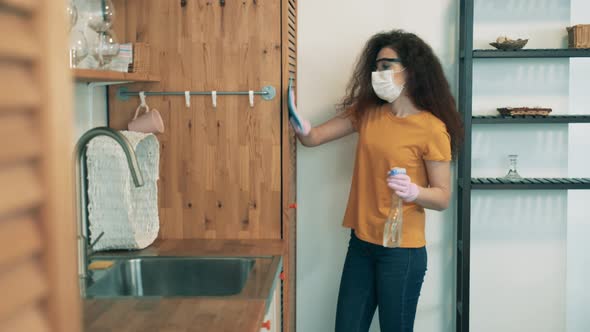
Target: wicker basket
<point>522,111</point>
<point>141,58</point>
<point>579,36</point>
<point>128,216</point>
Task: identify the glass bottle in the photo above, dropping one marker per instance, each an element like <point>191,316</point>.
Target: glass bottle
<point>392,231</point>
<point>512,172</point>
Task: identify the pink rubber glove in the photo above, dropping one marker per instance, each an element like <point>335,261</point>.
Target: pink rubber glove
<point>306,126</point>
<point>403,187</point>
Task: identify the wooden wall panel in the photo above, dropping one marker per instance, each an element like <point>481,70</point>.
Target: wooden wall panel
<point>38,279</point>
<point>220,167</point>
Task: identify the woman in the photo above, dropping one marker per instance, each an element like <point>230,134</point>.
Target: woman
<point>399,102</point>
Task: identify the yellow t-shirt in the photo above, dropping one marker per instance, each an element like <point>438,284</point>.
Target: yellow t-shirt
<point>387,141</point>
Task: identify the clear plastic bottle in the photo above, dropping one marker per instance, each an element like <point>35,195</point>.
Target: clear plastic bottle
<point>392,233</point>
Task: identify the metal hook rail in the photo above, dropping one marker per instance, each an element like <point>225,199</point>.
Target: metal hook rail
<point>268,93</point>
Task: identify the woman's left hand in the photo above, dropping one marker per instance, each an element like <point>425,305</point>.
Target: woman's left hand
<point>404,187</point>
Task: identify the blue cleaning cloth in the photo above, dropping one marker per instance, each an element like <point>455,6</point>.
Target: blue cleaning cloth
<point>291,105</point>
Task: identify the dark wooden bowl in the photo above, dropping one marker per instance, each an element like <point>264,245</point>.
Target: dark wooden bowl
<point>510,45</point>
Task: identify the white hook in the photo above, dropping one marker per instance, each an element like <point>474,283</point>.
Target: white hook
<point>187,98</point>
<point>142,98</point>
<point>214,98</point>
<point>251,97</point>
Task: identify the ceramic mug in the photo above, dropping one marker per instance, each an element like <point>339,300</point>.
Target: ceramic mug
<point>148,122</point>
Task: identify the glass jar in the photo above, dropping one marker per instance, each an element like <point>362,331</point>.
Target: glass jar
<point>100,14</point>
<point>105,48</point>
<point>78,48</point>
<point>72,13</point>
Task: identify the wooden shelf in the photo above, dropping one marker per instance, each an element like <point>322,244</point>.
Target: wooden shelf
<point>90,75</point>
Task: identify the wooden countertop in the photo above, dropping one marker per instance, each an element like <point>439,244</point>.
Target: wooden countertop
<point>203,247</point>
<point>194,314</point>
<point>243,312</point>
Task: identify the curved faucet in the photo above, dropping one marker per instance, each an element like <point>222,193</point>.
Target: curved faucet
<point>82,193</point>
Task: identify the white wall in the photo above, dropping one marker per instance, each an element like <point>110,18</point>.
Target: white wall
<point>578,223</point>
<point>90,108</point>
<point>331,35</point>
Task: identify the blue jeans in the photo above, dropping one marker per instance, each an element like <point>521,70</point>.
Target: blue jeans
<point>375,276</point>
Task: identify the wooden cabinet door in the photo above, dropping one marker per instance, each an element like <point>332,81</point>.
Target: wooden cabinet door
<point>289,163</point>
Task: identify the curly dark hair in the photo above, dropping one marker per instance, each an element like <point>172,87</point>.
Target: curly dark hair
<point>426,84</point>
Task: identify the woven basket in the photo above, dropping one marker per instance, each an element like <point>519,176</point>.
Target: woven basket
<point>141,58</point>
<point>579,36</point>
<point>521,111</point>
<point>127,215</point>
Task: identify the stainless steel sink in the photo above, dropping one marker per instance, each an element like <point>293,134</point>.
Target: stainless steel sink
<point>171,277</point>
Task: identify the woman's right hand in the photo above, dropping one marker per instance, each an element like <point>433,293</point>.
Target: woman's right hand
<point>301,126</point>
<point>305,126</point>
<point>332,129</point>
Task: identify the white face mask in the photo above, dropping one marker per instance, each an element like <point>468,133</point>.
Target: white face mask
<point>384,86</point>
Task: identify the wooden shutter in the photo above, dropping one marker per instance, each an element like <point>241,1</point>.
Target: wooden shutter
<point>289,164</point>
<point>291,20</point>
<point>37,239</point>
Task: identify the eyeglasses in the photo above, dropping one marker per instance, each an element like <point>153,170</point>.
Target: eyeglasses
<point>389,60</point>
<point>386,63</point>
